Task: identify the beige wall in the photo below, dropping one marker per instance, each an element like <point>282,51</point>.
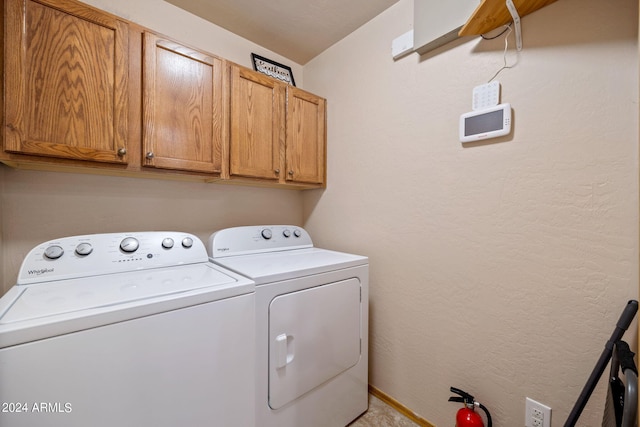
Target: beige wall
<point>172,21</point>
<point>499,268</point>
<point>38,206</point>
<point>3,285</point>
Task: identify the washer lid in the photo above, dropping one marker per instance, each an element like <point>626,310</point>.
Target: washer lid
<point>276,266</point>
<point>39,311</point>
<point>110,291</point>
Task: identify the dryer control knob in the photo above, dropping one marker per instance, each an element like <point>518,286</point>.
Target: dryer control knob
<point>266,234</point>
<point>84,249</point>
<point>53,252</point>
<point>286,233</point>
<point>297,233</point>
<point>187,242</point>
<point>167,243</point>
<point>129,244</point>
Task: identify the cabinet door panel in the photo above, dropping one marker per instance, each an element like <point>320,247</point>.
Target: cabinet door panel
<point>66,81</point>
<point>183,114</point>
<point>257,124</point>
<point>306,137</point>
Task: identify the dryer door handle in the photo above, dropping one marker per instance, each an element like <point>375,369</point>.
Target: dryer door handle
<point>284,350</point>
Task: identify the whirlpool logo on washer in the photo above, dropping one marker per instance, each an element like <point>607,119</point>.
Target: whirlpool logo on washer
<point>40,271</point>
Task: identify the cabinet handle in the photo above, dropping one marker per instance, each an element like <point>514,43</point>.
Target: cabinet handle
<point>150,155</point>
<point>290,173</point>
<point>277,171</point>
<point>122,152</point>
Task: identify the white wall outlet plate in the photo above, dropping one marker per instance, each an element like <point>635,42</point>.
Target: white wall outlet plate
<point>536,414</point>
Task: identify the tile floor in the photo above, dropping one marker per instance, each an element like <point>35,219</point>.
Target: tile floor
<point>382,415</point>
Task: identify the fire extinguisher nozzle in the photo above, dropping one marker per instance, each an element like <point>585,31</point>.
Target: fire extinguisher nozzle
<point>467,416</point>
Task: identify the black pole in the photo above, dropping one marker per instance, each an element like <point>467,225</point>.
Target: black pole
<point>623,323</point>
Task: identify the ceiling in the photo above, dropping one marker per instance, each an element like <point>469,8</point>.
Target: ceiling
<point>298,30</point>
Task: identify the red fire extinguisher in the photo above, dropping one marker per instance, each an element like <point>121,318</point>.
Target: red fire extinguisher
<point>467,416</point>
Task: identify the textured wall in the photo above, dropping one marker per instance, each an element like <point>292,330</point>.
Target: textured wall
<point>38,206</point>
<point>500,268</point>
<point>2,267</point>
<point>185,27</point>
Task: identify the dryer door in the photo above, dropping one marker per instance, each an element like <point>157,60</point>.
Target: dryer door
<point>314,335</point>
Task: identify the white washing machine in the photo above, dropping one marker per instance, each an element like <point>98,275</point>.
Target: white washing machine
<point>311,324</point>
<point>129,329</point>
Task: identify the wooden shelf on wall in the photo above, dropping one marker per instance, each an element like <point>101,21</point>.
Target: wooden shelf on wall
<point>491,14</point>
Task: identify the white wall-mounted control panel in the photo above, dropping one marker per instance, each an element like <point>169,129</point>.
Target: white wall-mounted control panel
<point>486,95</point>
<point>486,123</point>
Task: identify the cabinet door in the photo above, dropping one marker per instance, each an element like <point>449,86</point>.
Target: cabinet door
<point>66,81</point>
<point>183,115</point>
<point>257,124</point>
<point>306,137</point>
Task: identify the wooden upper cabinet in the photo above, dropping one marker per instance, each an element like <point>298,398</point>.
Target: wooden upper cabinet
<point>66,81</point>
<point>257,124</point>
<point>306,138</point>
<point>278,132</point>
<point>183,107</point>
<point>85,90</point>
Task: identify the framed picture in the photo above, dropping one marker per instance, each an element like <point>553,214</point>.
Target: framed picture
<point>273,69</point>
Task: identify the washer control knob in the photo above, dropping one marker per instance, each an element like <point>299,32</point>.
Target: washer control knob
<point>84,249</point>
<point>266,234</point>
<point>129,244</point>
<point>167,243</point>
<point>187,242</point>
<point>53,252</point>
<point>297,233</point>
<point>286,233</point>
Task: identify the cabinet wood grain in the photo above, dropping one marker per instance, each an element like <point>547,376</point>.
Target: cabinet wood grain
<point>306,138</point>
<point>86,91</point>
<point>183,114</point>
<point>66,79</point>
<point>278,132</point>
<point>257,124</point>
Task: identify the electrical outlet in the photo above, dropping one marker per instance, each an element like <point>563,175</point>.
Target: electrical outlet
<point>536,414</point>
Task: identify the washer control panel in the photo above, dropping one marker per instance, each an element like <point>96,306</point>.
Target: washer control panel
<point>257,239</point>
<point>97,254</point>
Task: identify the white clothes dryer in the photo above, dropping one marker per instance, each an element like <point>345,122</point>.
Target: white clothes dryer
<point>311,324</point>
<point>126,329</point>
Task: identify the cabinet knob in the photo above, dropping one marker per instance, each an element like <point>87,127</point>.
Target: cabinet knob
<point>122,152</point>
<point>277,171</point>
<point>150,155</point>
<point>291,173</point>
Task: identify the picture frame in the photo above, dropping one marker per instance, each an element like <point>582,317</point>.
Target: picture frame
<point>271,68</point>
